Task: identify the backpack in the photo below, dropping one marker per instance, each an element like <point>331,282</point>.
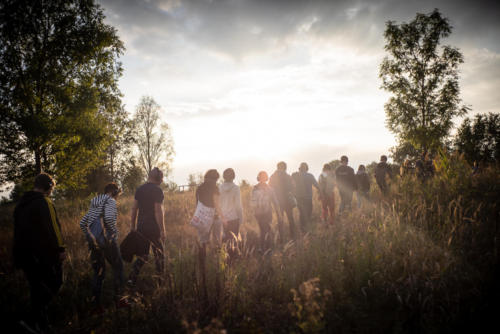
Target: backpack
<point>261,200</point>
<point>96,228</point>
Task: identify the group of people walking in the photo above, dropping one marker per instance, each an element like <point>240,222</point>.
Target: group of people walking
<point>39,248</point>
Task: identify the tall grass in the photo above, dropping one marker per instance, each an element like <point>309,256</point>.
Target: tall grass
<point>423,259</point>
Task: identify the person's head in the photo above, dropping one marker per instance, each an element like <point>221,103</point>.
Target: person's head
<point>303,167</point>
<point>281,165</point>
<point>228,175</point>
<point>383,158</point>
<point>262,177</point>
<point>155,176</point>
<point>327,168</point>
<point>212,175</point>
<point>112,190</point>
<point>44,183</point>
<point>361,168</point>
<point>344,160</point>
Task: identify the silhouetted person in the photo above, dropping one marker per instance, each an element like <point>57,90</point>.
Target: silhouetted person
<point>304,182</point>
<point>38,248</point>
<point>363,185</point>
<point>230,204</point>
<point>425,167</point>
<point>326,182</point>
<point>208,194</point>
<point>105,247</point>
<point>262,202</point>
<point>147,218</point>
<point>382,170</point>
<point>346,183</point>
<point>282,185</point>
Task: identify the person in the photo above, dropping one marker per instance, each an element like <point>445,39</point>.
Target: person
<point>263,199</point>
<point>230,204</point>
<point>425,167</point>
<point>104,206</point>
<point>38,249</point>
<point>363,182</point>
<point>304,181</point>
<point>382,170</point>
<point>282,184</point>
<point>326,183</point>
<point>346,183</point>
<point>146,218</point>
<point>208,194</point>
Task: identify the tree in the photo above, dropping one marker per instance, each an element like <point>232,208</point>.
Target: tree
<point>479,140</point>
<point>58,81</point>
<point>154,140</point>
<point>422,77</point>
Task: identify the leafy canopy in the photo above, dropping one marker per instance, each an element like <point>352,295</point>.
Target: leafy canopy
<point>58,84</point>
<point>422,77</point>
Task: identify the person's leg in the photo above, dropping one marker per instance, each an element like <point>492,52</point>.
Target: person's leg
<point>342,201</point>
<point>281,223</point>
<point>330,200</point>
<point>114,258</point>
<point>159,256</point>
<point>44,282</point>
<point>359,198</point>
<point>302,213</point>
<point>99,267</point>
<point>348,203</point>
<point>291,222</point>
<point>308,206</point>
<point>324,209</point>
<point>142,257</point>
<point>265,230</point>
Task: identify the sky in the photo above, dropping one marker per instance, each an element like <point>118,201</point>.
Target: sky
<point>246,84</point>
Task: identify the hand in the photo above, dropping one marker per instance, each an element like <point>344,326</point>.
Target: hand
<point>62,256</point>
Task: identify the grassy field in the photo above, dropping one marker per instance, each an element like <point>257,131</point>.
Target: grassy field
<point>424,259</point>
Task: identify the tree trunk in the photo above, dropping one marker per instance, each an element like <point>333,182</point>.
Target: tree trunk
<point>38,161</point>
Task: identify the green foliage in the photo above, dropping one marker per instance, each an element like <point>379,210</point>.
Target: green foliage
<point>58,85</point>
<point>133,177</point>
<point>422,77</point>
<point>153,138</point>
<point>479,139</point>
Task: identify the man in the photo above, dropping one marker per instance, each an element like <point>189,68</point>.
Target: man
<point>282,184</point>
<point>39,249</point>
<point>346,183</point>
<point>381,171</point>
<point>147,219</point>
<point>304,182</point>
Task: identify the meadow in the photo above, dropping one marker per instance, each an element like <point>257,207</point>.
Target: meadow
<point>424,259</point>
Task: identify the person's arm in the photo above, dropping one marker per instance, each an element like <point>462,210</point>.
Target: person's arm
<point>159,218</point>
<point>133,215</point>
<point>239,207</point>
<point>275,204</point>
<point>110,217</point>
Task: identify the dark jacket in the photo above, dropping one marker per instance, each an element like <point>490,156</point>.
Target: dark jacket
<point>363,182</point>
<point>304,182</point>
<point>282,185</point>
<point>37,232</point>
<point>381,170</point>
<point>346,180</point>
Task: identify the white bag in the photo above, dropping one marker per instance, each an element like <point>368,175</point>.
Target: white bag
<point>203,217</point>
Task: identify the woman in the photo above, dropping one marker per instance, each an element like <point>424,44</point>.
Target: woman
<point>363,182</point>
<point>326,182</point>
<point>103,245</point>
<point>208,195</point>
<point>230,202</point>
<point>262,202</point>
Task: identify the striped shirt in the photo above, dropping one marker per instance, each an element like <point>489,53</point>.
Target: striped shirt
<point>102,206</point>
